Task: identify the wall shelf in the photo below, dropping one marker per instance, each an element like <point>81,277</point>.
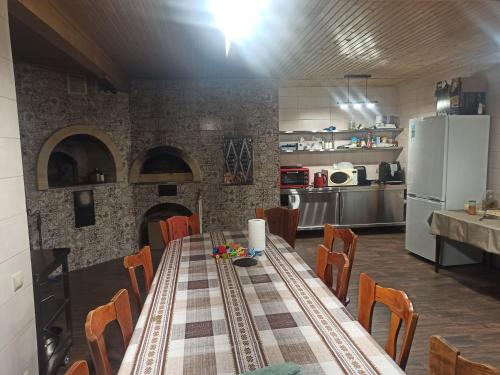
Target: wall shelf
<point>348,150</point>
<point>353,132</point>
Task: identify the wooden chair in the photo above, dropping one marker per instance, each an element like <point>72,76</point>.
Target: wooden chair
<point>324,261</point>
<point>194,223</point>
<point>78,368</point>
<point>178,227</point>
<point>349,243</point>
<point>164,232</point>
<point>117,309</point>
<point>281,221</point>
<point>401,311</point>
<point>141,259</point>
<point>445,359</point>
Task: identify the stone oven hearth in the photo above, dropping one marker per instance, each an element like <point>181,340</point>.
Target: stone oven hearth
<point>149,230</point>
<point>77,155</point>
<point>164,164</point>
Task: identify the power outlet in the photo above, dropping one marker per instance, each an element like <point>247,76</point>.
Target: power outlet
<point>17,281</point>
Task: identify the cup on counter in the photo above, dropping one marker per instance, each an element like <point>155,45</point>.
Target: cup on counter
<point>471,208</point>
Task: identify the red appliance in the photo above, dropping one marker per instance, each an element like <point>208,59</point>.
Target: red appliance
<point>294,177</point>
<point>320,180</point>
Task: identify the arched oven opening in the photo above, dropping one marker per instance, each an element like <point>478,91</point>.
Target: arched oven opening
<point>80,159</point>
<point>149,231</point>
<point>164,164</point>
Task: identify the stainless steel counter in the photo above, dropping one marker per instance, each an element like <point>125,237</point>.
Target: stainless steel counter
<point>347,206</point>
<point>337,189</point>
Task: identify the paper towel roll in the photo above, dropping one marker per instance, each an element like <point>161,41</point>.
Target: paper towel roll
<point>257,234</point>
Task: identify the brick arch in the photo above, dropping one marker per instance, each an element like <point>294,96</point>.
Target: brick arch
<point>60,135</point>
<point>135,168</point>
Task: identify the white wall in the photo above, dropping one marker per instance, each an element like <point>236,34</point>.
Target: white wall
<point>417,100</point>
<point>315,108</point>
<point>17,318</point>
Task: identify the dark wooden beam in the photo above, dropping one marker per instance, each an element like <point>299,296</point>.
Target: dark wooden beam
<point>50,22</point>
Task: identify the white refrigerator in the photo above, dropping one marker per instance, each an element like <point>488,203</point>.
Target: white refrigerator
<point>447,167</point>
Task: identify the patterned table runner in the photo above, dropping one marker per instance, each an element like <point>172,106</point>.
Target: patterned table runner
<point>206,316</point>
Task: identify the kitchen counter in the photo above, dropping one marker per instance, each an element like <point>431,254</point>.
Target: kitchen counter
<point>336,189</point>
<point>347,206</point>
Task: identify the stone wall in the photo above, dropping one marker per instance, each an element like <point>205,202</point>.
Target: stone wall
<point>195,116</point>
<point>45,107</point>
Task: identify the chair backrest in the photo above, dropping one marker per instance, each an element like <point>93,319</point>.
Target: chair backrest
<point>164,232</point>
<point>445,359</point>
<point>194,223</point>
<point>349,243</point>
<point>141,259</point>
<point>117,309</point>
<point>324,261</point>
<point>178,227</point>
<point>78,368</point>
<point>401,312</point>
<point>281,221</point>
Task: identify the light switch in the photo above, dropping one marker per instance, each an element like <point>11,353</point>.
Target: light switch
<point>26,372</point>
<point>17,281</point>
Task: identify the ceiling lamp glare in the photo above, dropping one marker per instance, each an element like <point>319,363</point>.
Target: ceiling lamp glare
<point>345,105</point>
<point>237,19</point>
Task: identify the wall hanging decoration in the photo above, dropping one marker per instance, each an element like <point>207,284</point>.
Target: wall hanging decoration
<point>238,161</point>
<point>84,208</point>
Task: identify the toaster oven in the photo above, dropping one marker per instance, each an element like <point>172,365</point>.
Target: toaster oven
<point>294,177</point>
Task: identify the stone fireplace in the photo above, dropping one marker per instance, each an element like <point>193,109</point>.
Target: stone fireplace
<point>160,148</point>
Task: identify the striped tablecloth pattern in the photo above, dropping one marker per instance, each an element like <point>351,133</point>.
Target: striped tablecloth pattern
<point>207,316</point>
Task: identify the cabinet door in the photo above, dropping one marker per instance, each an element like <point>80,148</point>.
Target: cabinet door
<point>393,207</point>
<point>358,207</point>
<point>375,207</point>
<point>316,209</point>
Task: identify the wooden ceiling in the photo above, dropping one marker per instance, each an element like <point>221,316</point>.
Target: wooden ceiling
<point>309,40</point>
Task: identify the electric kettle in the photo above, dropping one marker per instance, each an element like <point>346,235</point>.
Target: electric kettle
<point>320,180</point>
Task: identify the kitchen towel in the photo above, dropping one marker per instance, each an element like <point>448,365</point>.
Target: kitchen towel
<point>257,234</point>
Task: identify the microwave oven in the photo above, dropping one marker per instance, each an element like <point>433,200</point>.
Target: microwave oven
<point>343,177</point>
<point>294,177</point>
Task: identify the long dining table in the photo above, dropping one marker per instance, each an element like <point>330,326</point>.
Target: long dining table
<point>207,316</point>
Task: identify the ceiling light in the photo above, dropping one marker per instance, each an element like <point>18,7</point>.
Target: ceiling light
<point>345,104</point>
<point>236,18</point>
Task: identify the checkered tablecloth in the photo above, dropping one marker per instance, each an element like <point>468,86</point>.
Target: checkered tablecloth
<point>207,316</point>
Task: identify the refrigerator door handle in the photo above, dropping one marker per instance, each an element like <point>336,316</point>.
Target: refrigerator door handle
<point>425,199</point>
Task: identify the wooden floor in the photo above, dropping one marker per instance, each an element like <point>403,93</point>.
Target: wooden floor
<point>460,303</point>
